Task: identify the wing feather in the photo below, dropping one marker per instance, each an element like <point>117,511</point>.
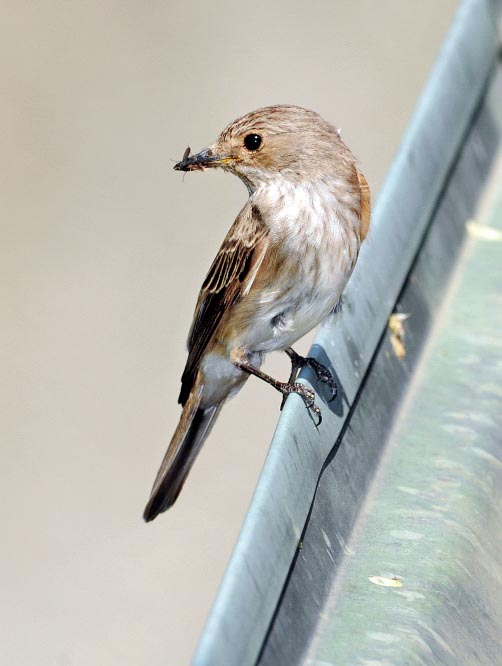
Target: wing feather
<point>365,204</point>
<point>231,274</point>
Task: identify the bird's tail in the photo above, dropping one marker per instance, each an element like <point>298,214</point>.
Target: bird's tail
<point>193,428</point>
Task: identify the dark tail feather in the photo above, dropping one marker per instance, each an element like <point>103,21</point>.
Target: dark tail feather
<point>193,428</point>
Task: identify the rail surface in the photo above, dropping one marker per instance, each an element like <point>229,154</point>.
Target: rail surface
<point>280,600</point>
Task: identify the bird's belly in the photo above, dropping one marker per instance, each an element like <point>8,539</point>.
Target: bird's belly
<point>277,323</point>
<point>289,325</point>
<point>274,315</point>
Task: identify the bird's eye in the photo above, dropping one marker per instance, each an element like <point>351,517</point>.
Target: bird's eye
<point>252,141</point>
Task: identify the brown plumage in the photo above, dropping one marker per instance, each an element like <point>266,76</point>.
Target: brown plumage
<point>280,270</point>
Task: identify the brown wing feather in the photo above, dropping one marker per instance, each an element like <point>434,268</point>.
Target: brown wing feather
<point>230,273</point>
<point>365,204</point>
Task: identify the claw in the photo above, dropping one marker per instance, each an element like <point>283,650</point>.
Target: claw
<point>308,396</point>
<point>318,413</point>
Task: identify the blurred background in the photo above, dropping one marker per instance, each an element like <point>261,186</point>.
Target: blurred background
<point>103,250</point>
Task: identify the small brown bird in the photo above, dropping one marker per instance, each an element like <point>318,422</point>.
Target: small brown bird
<point>280,271</point>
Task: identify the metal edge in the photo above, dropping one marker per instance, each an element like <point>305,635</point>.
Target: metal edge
<point>259,566</point>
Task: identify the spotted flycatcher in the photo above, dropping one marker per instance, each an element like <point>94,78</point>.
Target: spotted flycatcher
<point>280,271</point>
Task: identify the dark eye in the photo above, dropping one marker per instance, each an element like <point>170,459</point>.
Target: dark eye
<point>252,141</point>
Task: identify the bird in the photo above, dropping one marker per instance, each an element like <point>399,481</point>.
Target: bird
<point>279,272</point>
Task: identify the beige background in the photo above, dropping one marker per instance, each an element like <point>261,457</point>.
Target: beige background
<point>103,248</point>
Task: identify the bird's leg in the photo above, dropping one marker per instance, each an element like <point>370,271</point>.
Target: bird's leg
<point>284,387</point>
<point>321,371</point>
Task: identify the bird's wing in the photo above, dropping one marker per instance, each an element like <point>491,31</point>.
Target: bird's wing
<point>231,274</point>
<point>365,204</point>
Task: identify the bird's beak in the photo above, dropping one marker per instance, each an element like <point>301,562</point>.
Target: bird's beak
<point>203,160</point>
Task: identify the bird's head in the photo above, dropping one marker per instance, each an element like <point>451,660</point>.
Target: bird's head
<point>276,141</point>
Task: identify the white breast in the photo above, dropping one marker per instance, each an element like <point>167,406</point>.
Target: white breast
<point>316,227</point>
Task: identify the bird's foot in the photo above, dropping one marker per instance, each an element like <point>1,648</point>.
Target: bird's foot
<point>305,392</point>
<point>321,371</point>
<point>286,388</point>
